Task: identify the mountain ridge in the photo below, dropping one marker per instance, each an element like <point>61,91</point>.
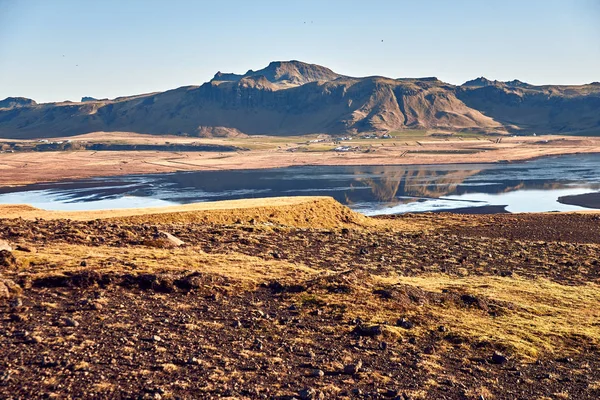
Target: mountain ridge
<point>292,97</point>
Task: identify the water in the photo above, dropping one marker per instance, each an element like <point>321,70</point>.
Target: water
<point>532,186</point>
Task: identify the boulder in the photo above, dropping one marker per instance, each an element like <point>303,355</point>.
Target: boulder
<point>4,245</point>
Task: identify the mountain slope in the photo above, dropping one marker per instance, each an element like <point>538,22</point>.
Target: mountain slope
<point>289,98</point>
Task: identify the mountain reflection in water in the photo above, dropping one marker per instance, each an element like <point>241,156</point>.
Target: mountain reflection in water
<point>529,186</point>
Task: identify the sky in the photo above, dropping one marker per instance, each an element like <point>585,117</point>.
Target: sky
<point>55,50</point>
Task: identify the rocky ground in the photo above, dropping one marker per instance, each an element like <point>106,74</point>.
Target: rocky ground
<point>456,307</point>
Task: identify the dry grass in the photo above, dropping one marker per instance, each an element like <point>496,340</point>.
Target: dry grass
<point>544,316</point>
<point>315,212</point>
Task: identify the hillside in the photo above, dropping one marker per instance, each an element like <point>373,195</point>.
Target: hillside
<point>297,299</point>
<point>292,98</point>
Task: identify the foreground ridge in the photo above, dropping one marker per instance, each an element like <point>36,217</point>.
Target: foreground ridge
<point>298,298</point>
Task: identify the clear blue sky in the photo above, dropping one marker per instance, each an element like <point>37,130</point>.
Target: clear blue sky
<point>52,50</point>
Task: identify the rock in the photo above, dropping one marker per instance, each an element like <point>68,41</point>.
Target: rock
<point>373,330</point>
<point>309,394</point>
<point>363,251</point>
<point>193,361</point>
<point>317,373</point>
<point>566,360</point>
<point>83,264</point>
<point>16,302</point>
<point>172,239</point>
<point>25,249</point>
<point>498,358</point>
<point>429,350</point>
<point>47,362</point>
<point>442,328</point>
<point>18,317</point>
<point>236,324</point>
<point>5,246</point>
<point>156,338</point>
<point>4,292</point>
<point>71,322</point>
<point>9,288</point>
<point>7,259</point>
<point>404,323</point>
<point>383,345</point>
<point>352,369</point>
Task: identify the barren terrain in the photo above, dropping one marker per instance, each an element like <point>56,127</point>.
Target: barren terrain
<point>298,298</point>
<point>403,148</point>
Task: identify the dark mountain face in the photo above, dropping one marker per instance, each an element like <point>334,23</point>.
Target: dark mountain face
<point>288,98</point>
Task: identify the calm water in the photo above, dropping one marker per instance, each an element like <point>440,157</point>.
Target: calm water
<point>532,186</point>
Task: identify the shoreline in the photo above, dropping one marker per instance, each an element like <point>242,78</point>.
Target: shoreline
<point>355,162</point>
<point>266,152</point>
<point>589,200</point>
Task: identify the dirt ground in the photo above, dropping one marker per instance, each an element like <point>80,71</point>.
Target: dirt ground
<point>299,300</point>
<point>272,152</point>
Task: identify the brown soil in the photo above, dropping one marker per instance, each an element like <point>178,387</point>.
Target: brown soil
<point>412,307</point>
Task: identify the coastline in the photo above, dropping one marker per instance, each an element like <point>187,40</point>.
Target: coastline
<point>20,169</point>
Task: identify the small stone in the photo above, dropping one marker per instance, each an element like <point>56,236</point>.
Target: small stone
<point>35,339</point>
<point>373,330</point>
<point>308,394</point>
<point>47,362</point>
<point>404,323</point>
<point>18,317</point>
<point>363,251</point>
<point>156,338</point>
<point>83,264</point>
<point>317,373</point>
<point>498,358</point>
<point>71,322</point>
<point>566,360</point>
<point>193,361</point>
<point>383,345</point>
<point>236,324</point>
<point>352,369</point>
<point>442,328</point>
<point>16,302</point>
<point>429,350</point>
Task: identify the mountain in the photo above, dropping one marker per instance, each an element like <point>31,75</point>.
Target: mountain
<point>13,102</point>
<point>291,98</point>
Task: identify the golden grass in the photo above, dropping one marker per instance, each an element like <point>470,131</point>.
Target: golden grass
<point>315,212</point>
<point>546,316</point>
